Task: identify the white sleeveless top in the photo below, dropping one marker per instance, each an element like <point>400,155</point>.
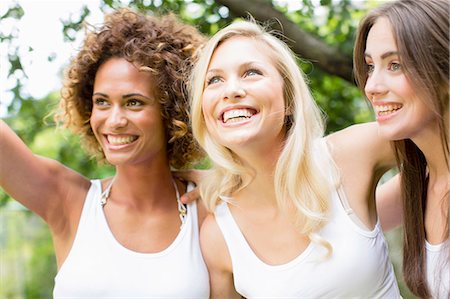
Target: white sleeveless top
<point>438,270</point>
<point>358,268</point>
<point>98,266</point>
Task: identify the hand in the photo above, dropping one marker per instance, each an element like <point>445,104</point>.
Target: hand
<point>195,176</point>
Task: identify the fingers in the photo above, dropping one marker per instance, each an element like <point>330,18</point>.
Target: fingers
<point>192,175</point>
<point>190,196</point>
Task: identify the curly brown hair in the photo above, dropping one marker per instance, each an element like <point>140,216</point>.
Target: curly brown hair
<point>160,45</point>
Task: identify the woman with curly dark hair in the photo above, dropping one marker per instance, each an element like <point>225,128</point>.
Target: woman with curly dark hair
<point>130,235</point>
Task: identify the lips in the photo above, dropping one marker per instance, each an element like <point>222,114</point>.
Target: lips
<point>121,139</point>
<point>237,114</point>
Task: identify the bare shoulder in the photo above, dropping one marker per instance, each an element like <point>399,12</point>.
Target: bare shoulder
<point>218,261</point>
<point>349,135</point>
<point>202,211</point>
<point>55,190</point>
<point>72,189</point>
<point>362,143</point>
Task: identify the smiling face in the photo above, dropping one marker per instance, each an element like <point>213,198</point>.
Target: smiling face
<point>126,118</point>
<point>242,100</point>
<point>400,113</point>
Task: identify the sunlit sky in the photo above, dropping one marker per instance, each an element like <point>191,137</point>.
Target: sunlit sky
<point>40,29</point>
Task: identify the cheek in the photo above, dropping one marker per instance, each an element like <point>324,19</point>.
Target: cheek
<point>207,107</point>
<point>94,120</point>
<point>405,88</point>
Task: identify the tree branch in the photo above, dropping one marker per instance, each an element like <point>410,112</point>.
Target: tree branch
<point>307,46</point>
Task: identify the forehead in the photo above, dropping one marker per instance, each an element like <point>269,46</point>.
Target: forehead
<point>241,49</point>
<point>117,74</point>
<point>381,36</point>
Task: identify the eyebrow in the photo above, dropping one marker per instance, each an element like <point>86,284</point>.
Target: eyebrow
<point>245,64</point>
<point>385,55</point>
<point>129,95</point>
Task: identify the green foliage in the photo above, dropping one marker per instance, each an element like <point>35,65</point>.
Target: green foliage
<point>70,27</point>
<point>341,101</point>
<point>41,263</point>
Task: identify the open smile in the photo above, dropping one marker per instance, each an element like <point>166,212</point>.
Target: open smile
<point>237,115</point>
<point>116,140</point>
<point>385,110</point>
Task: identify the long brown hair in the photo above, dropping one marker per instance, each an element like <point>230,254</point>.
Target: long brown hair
<point>421,30</point>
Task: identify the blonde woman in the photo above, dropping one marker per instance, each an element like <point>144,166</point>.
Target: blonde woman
<point>294,213</point>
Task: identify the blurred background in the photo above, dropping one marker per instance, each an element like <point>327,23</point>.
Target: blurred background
<point>37,39</point>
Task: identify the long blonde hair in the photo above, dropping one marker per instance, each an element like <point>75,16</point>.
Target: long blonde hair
<point>300,184</point>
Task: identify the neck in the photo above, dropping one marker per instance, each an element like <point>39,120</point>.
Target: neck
<point>430,143</point>
<point>143,185</point>
<point>261,189</point>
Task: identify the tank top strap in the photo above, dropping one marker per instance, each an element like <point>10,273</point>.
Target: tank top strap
<point>340,203</point>
<point>92,203</point>
<point>240,252</point>
<point>192,212</point>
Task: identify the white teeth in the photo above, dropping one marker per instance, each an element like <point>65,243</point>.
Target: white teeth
<point>121,140</point>
<point>386,109</point>
<point>235,115</point>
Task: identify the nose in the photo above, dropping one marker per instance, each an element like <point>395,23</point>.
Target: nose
<point>375,85</point>
<point>234,89</point>
<point>117,118</point>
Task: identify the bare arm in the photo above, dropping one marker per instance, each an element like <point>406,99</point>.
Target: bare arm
<point>362,157</point>
<point>217,258</point>
<point>389,203</point>
<point>38,183</point>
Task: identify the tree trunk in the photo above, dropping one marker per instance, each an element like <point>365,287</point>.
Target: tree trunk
<point>307,46</point>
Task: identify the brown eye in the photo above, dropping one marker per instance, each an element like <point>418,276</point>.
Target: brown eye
<point>134,103</point>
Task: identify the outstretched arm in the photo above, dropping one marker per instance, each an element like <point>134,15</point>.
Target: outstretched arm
<point>38,183</point>
<point>217,258</point>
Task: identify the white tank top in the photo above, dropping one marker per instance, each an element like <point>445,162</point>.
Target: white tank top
<point>98,266</point>
<point>358,268</point>
<point>438,270</point>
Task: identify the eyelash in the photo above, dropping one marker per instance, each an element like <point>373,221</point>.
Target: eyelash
<point>210,80</point>
<point>258,72</point>
<point>129,103</point>
<point>246,73</point>
<point>370,67</point>
<point>135,101</point>
<point>395,64</point>
<point>100,102</point>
